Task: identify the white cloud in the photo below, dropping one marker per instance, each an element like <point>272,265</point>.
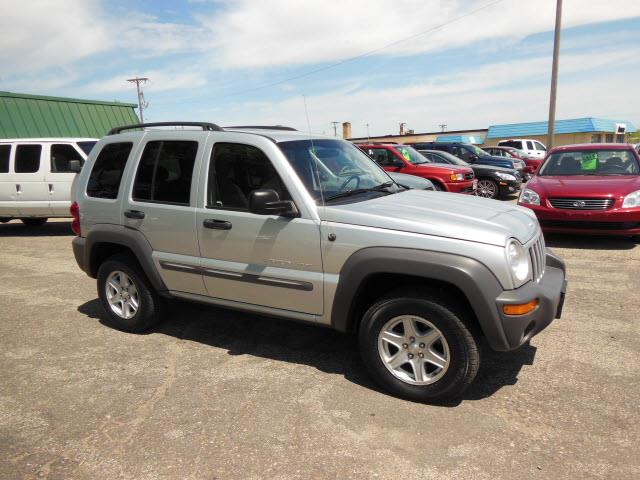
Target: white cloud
<point>159,80</point>
<point>251,33</point>
<point>591,84</point>
<point>37,34</point>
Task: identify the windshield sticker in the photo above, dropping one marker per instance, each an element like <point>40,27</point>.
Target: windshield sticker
<point>405,154</point>
<point>589,161</point>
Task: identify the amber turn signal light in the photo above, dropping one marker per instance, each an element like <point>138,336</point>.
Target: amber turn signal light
<point>520,308</point>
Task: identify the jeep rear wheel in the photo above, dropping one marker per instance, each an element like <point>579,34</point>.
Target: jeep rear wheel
<point>128,299</point>
<point>418,349</point>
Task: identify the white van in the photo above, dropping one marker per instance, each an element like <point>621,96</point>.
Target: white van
<point>533,148</point>
<point>36,176</point>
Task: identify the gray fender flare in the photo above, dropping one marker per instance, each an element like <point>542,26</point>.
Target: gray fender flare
<point>127,237</point>
<point>473,278</point>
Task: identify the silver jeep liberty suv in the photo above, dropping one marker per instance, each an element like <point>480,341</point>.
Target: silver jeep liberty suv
<point>273,221</point>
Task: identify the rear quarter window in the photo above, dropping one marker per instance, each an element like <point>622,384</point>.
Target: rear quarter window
<point>104,181</point>
<point>5,152</point>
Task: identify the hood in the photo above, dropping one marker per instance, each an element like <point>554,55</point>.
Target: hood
<point>491,168</point>
<point>585,186</point>
<point>443,167</point>
<point>440,214</point>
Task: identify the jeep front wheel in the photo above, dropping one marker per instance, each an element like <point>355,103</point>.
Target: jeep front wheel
<point>128,299</point>
<point>418,349</point>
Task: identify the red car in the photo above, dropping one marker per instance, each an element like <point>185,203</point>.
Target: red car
<point>405,159</point>
<point>590,188</point>
<point>531,164</point>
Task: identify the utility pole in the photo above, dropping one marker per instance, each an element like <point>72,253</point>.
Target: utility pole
<point>443,127</point>
<point>335,128</point>
<point>141,102</point>
<point>554,75</point>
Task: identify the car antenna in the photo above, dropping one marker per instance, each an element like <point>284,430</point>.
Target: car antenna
<point>316,172</point>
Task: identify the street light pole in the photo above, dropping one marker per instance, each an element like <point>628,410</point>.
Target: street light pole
<point>554,75</point>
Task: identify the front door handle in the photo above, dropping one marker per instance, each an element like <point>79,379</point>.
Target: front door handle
<point>216,224</point>
<point>135,214</point>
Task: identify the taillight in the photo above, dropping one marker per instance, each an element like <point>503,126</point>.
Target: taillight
<point>75,214</point>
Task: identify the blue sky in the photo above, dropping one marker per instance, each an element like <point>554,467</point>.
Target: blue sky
<point>248,61</point>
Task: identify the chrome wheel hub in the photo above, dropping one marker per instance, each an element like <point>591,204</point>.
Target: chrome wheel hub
<point>413,350</point>
<point>486,189</point>
<point>122,295</point>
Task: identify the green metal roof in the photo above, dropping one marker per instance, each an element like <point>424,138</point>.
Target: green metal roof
<point>36,116</point>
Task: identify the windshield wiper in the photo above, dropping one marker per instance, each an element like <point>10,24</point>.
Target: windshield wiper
<point>378,188</point>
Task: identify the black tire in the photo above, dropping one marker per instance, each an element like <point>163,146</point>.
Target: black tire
<point>150,303</point>
<point>492,188</point>
<point>437,186</point>
<point>464,349</point>
<point>34,222</point>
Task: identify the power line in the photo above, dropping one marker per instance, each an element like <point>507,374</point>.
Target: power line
<point>142,104</point>
<point>370,52</point>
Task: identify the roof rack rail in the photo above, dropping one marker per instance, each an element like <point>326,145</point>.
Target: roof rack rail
<point>264,127</point>
<point>212,127</point>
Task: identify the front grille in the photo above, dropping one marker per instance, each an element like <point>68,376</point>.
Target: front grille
<point>538,258</point>
<point>581,203</point>
<point>590,225</point>
<point>468,176</point>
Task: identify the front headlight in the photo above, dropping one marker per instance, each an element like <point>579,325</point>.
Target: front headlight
<point>506,176</point>
<point>632,200</point>
<point>518,260</point>
<point>456,177</point>
<point>529,197</point>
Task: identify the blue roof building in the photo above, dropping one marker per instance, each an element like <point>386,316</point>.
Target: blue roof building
<point>575,130</point>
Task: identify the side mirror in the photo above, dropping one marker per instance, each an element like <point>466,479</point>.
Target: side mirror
<point>75,166</point>
<point>267,202</point>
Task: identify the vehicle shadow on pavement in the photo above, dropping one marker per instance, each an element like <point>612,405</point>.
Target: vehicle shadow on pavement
<point>590,242</point>
<point>52,229</point>
<point>288,341</point>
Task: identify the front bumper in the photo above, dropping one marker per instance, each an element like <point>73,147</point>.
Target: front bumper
<point>614,221</point>
<point>550,292</point>
<point>508,187</point>
<point>467,186</point>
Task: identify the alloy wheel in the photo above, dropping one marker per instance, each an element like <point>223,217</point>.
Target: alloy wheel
<point>486,189</point>
<point>413,350</point>
<point>122,295</point>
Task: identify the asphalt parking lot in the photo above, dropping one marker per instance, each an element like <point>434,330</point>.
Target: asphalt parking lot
<point>217,394</point>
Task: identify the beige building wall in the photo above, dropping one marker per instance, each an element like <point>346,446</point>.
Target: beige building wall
<point>419,137</point>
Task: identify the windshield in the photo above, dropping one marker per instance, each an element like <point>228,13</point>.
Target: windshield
<point>445,157</point>
<point>590,162</point>
<point>411,155</point>
<point>478,151</point>
<point>331,167</point>
<point>87,146</point>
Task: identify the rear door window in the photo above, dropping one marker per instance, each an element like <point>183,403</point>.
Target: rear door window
<point>165,172</point>
<point>104,181</point>
<point>61,156</point>
<point>530,146</point>
<point>5,152</point>
<point>28,158</point>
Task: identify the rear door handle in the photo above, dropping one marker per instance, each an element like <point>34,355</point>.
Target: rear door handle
<point>135,214</point>
<point>18,190</point>
<point>51,188</point>
<point>216,224</point>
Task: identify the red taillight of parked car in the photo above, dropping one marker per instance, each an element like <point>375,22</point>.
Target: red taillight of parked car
<point>75,214</point>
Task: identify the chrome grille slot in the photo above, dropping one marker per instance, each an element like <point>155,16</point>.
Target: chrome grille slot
<point>538,258</point>
<point>581,203</point>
